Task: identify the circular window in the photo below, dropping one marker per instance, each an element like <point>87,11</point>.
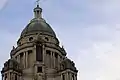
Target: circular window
<point>31,38</point>
<point>46,39</point>
<point>19,43</point>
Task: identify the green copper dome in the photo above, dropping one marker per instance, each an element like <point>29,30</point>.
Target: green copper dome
<point>38,24</point>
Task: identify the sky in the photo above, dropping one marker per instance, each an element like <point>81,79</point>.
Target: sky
<point>88,29</point>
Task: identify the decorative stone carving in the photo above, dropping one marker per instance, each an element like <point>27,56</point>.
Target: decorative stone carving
<point>39,38</point>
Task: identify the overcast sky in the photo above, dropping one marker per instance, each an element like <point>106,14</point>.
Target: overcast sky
<point>88,29</point>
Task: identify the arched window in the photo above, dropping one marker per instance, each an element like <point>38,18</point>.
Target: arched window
<point>39,53</point>
<point>15,76</point>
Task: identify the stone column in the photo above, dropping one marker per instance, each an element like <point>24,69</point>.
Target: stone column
<point>75,77</point>
<point>54,59</point>
<point>26,59</point>
<point>45,57</point>
<point>9,75</point>
<point>19,58</point>
<point>61,77</point>
<point>67,76</point>
<point>43,49</point>
<point>70,76</point>
<point>24,62</point>
<point>18,77</point>
<point>12,76</point>
<point>58,61</point>
<point>51,60</point>
<point>52,63</point>
<point>34,53</point>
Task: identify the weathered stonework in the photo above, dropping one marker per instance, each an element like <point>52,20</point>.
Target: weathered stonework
<point>38,55</point>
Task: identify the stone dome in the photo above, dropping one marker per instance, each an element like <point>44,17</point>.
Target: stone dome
<point>38,25</point>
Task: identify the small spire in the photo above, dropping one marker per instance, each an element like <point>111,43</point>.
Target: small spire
<point>62,47</point>
<point>38,10</point>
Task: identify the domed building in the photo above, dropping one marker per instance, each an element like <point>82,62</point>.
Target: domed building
<point>38,55</point>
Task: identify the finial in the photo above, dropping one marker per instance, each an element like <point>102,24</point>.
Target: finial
<point>38,2</point>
